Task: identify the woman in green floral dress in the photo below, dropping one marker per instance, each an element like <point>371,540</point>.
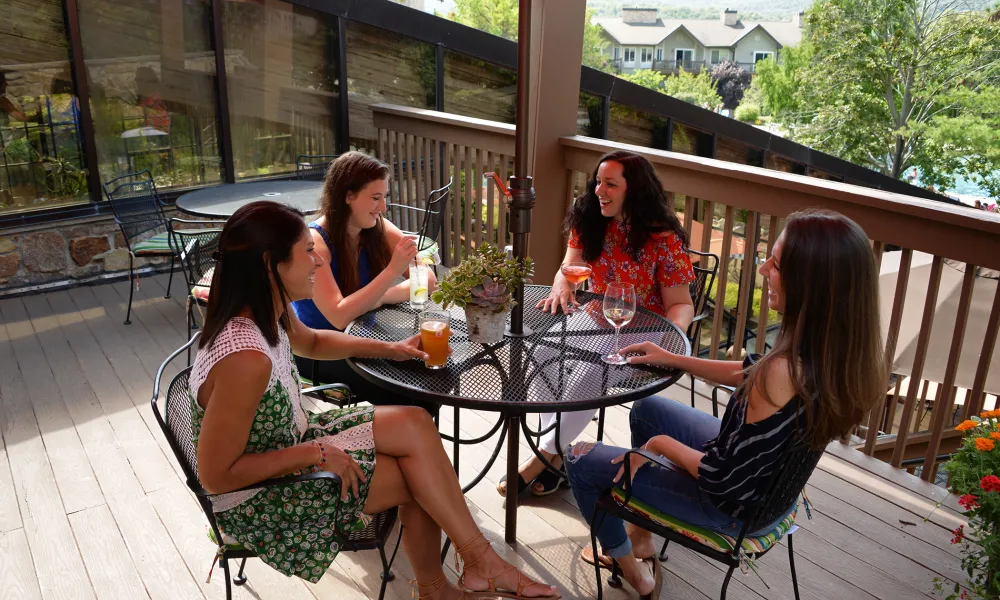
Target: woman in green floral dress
<point>249,425</point>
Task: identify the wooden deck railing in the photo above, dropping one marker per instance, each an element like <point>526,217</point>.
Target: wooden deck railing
<point>728,207</point>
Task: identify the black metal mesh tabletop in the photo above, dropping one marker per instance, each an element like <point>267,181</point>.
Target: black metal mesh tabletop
<point>557,368</point>
<point>221,201</point>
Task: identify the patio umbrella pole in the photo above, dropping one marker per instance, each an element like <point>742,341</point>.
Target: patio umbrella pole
<point>521,189</point>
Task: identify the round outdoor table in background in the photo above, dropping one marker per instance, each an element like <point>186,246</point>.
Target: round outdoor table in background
<point>556,369</point>
<point>221,201</point>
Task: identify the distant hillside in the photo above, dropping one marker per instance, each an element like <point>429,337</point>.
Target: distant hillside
<point>751,10</point>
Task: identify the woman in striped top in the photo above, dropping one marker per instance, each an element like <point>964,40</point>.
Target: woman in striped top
<point>824,373</point>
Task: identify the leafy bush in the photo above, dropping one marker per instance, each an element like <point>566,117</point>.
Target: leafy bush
<point>731,81</point>
<point>697,89</point>
<point>973,473</point>
<point>748,113</point>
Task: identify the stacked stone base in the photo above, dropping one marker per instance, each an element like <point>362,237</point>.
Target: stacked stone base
<point>68,252</point>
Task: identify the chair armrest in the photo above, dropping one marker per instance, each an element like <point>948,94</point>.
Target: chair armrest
<point>655,458</point>
<point>286,480</point>
<point>700,317</point>
<point>715,397</point>
<point>317,391</point>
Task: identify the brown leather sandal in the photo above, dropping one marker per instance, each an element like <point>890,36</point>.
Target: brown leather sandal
<point>493,592</point>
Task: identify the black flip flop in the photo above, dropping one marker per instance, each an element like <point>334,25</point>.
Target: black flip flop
<point>523,487</point>
<point>550,481</point>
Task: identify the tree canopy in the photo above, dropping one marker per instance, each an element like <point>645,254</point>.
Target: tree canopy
<point>697,89</point>
<point>891,85</point>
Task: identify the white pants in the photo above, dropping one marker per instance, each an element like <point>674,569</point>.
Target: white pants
<point>571,426</point>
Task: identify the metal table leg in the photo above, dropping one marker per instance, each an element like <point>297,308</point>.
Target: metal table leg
<point>510,524</point>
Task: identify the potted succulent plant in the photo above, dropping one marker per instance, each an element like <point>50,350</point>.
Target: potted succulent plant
<point>483,284</point>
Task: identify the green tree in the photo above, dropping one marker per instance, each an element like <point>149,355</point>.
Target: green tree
<point>499,17</point>
<point>776,85</point>
<point>891,80</point>
<point>647,78</point>
<point>697,89</point>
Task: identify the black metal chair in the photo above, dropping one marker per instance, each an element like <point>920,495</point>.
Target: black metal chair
<point>173,414</point>
<point>424,223</point>
<point>194,248</point>
<point>706,267</point>
<point>782,490</point>
<point>138,210</point>
<point>313,166</point>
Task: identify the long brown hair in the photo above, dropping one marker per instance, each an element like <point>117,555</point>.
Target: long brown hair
<point>255,240</point>
<point>351,172</point>
<point>830,333</point>
<point>646,208</point>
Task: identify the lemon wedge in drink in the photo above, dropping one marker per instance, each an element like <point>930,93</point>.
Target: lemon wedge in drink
<point>420,294</point>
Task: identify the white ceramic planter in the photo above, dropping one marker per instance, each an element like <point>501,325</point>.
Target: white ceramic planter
<point>485,326</point>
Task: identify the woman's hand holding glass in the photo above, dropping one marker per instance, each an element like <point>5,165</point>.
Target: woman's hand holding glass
<point>560,296</point>
<point>650,354</point>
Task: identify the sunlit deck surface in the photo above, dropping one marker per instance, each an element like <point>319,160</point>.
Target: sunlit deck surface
<point>92,503</point>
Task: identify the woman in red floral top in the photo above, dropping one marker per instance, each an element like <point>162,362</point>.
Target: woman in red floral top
<point>626,230</point>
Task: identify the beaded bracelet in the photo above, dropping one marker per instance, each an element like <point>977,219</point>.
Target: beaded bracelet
<point>322,454</point>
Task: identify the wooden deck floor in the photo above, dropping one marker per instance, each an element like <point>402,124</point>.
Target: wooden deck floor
<point>92,503</point>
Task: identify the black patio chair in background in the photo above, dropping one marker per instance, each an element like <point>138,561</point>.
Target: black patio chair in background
<point>195,242</point>
<point>313,166</point>
<point>706,267</point>
<point>173,413</point>
<point>138,211</point>
<point>783,488</point>
<point>424,223</point>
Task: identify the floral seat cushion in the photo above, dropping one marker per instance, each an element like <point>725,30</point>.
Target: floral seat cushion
<point>713,539</point>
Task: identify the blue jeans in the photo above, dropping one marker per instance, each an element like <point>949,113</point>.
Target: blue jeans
<point>672,491</point>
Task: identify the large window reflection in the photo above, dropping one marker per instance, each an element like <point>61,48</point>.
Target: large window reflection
<point>41,157</point>
<point>281,69</point>
<point>152,86</point>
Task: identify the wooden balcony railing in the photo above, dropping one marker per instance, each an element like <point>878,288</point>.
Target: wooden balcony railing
<point>736,211</point>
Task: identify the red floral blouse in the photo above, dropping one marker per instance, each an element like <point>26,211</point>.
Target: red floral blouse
<point>663,263</point>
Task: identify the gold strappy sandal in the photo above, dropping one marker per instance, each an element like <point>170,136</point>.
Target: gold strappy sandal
<point>493,592</point>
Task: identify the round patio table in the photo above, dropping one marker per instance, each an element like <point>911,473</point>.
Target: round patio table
<point>558,368</point>
<point>221,201</point>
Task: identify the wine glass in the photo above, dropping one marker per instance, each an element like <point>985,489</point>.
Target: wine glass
<point>619,308</point>
<point>575,273</point>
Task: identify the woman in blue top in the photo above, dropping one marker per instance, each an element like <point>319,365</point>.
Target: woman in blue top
<point>367,255</point>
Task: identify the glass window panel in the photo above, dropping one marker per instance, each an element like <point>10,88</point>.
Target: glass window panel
<point>41,157</point>
<point>385,67</point>
<point>479,89</point>
<point>281,72</point>
<point>631,126</point>
<point>152,73</point>
<point>589,115</point>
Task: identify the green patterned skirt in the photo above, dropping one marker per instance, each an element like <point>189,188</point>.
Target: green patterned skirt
<point>298,529</point>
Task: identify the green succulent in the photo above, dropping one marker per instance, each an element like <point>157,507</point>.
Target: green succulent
<point>486,278</point>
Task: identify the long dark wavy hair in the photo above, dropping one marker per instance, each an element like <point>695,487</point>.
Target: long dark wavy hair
<point>350,173</point>
<point>646,209</point>
<point>255,240</point>
<point>830,332</point>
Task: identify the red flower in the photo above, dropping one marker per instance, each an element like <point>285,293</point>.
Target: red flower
<point>959,534</point>
<point>990,483</point>
<point>968,502</point>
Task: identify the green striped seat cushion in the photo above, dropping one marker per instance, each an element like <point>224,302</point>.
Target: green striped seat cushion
<point>157,245</point>
<point>707,537</point>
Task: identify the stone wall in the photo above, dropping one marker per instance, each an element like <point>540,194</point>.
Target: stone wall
<point>69,251</point>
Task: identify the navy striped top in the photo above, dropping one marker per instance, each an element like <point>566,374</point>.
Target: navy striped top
<point>738,463</point>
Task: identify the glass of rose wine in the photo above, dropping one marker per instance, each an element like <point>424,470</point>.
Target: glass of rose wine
<point>619,308</point>
<point>576,273</point>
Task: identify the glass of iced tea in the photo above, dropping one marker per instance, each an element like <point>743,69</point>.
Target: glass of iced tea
<point>435,329</point>
<point>576,273</point>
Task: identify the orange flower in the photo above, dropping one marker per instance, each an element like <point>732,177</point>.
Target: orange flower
<point>990,414</point>
<point>984,444</point>
<point>967,425</point>
<point>995,435</point>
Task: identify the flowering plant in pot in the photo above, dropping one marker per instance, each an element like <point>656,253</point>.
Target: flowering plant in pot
<point>973,472</point>
<point>483,284</point>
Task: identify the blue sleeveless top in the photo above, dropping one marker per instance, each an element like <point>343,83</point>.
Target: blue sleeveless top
<point>306,310</point>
